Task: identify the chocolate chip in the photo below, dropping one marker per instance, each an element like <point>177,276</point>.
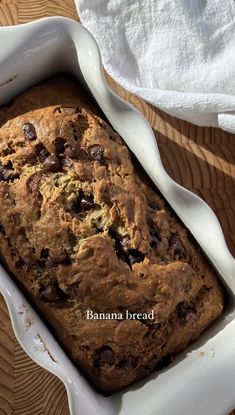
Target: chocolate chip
<point>52,164</point>
<point>106,355</point>
<point>19,263</point>
<point>121,254</point>
<point>41,152</point>
<point>98,229</point>
<point>2,229</point>
<point>87,202</point>
<point>73,152</point>
<point>97,153</point>
<point>76,152</point>
<point>185,312</point>
<point>9,150</point>
<point>9,165</point>
<point>83,203</point>
<point>72,238</point>
<point>135,256</point>
<point>121,249</point>
<point>156,238</point>
<point>75,208</point>
<point>176,247</point>
<point>151,325</point>
<point>60,145</point>
<point>29,131</point>
<point>179,252</point>
<point>44,256</point>
<point>182,310</point>
<point>58,256</point>
<point>6,173</point>
<point>21,231</point>
<point>125,242</point>
<point>44,253</point>
<point>33,182</point>
<point>52,293</point>
<point>164,362</point>
<point>67,162</point>
<point>173,239</point>
<point>76,134</point>
<point>153,205</point>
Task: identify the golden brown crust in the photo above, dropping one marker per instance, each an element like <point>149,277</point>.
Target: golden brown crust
<point>80,229</point>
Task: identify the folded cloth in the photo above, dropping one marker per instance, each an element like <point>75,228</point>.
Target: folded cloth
<point>179,55</point>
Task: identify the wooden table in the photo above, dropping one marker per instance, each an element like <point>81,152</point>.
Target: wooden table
<point>201,159</point>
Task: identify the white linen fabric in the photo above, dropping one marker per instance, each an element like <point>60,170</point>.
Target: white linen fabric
<point>177,54</point>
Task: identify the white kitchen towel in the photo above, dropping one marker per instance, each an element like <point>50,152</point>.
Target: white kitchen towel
<point>177,54</point>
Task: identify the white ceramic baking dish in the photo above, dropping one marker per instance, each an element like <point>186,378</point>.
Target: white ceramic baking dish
<point>202,379</point>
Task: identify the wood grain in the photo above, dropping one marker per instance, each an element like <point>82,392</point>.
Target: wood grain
<point>25,388</point>
<point>201,159</point>
<point>6,362</point>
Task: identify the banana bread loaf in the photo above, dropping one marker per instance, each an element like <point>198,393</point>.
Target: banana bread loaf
<point>93,243</point>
